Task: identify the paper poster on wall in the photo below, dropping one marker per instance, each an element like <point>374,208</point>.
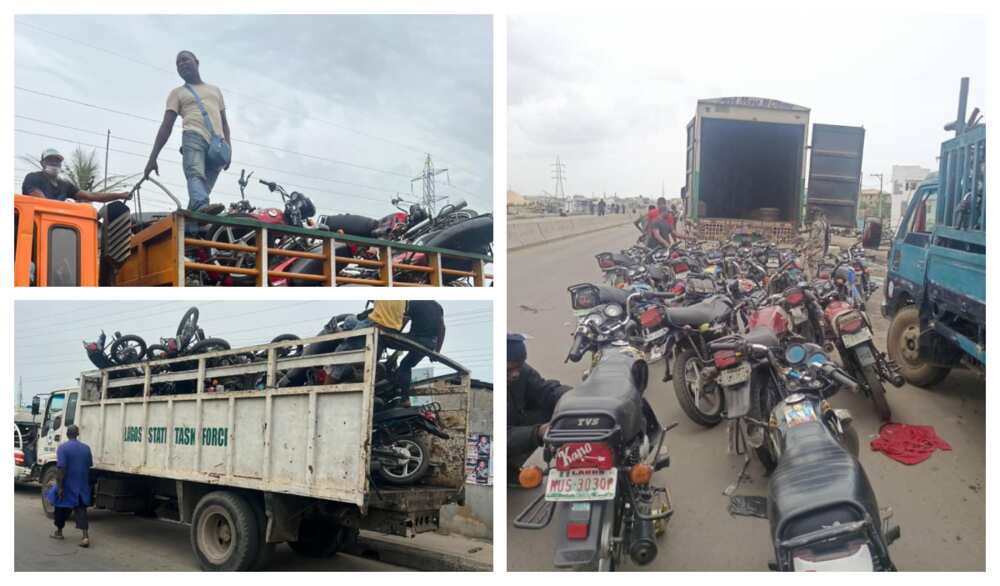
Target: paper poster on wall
<point>478,459</point>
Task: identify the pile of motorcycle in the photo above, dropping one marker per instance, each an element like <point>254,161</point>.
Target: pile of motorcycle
<point>400,432</point>
<point>454,227</point>
<point>746,338</point>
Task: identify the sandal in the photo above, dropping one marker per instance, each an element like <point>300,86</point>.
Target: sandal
<point>85,542</point>
<point>57,536</point>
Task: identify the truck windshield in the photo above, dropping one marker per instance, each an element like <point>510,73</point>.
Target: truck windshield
<point>925,212</point>
<point>56,405</point>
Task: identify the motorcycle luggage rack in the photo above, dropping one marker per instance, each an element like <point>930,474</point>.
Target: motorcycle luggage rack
<point>536,515</point>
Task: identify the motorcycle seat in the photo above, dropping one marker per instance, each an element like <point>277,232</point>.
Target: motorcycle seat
<point>608,390</point>
<point>817,483</point>
<point>622,260</point>
<point>763,336</point>
<point>657,273</point>
<point>708,311</point>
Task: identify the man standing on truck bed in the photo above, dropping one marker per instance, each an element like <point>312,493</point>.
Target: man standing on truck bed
<point>427,329</point>
<point>47,183</point>
<point>71,493</point>
<point>204,152</point>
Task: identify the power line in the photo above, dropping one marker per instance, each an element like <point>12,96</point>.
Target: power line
<point>228,90</point>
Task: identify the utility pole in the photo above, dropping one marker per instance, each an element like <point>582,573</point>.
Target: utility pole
<point>881,178</point>
<point>559,174</point>
<point>430,197</point>
<point>107,147</point>
<point>20,392</point>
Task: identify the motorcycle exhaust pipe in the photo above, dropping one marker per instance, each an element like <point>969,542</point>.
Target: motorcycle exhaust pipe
<point>642,545</point>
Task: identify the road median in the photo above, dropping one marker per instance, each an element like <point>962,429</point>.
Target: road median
<point>532,232</point>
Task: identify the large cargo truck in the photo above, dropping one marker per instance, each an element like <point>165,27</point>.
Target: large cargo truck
<point>746,168</point>
<point>255,465</point>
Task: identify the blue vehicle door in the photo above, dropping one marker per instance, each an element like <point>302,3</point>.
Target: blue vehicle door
<point>908,257</point>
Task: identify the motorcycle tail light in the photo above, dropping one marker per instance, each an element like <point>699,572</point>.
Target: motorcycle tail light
<point>19,458</point>
<point>794,298</point>
<point>92,347</point>
<point>681,267</point>
<point>640,474</point>
<point>675,254</point>
<point>678,289</point>
<point>850,323</point>
<point>725,358</point>
<point>650,318</point>
<point>530,477</point>
<point>575,455</point>
<point>576,531</point>
<point>429,415</point>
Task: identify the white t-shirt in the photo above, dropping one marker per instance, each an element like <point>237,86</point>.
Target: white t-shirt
<point>181,101</point>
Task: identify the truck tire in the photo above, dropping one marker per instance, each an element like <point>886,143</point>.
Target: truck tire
<point>48,480</point>
<point>266,549</point>
<point>318,538</point>
<point>225,534</point>
<point>902,342</point>
<point>685,396</point>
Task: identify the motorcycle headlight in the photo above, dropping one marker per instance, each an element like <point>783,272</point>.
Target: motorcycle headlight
<point>594,319</point>
<point>613,310</point>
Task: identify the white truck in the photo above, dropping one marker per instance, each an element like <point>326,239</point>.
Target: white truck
<point>249,469</point>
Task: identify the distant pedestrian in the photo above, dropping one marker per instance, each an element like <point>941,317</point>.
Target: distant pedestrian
<point>204,152</point>
<point>48,184</point>
<point>600,207</point>
<point>71,493</point>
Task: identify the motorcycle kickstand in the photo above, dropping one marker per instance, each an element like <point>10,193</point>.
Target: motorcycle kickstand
<point>732,488</point>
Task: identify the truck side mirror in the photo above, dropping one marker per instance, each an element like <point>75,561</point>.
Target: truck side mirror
<point>36,405</point>
<point>57,423</point>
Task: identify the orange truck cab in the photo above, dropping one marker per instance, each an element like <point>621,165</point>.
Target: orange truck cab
<point>55,243</point>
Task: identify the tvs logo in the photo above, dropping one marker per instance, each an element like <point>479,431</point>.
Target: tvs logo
<point>588,422</point>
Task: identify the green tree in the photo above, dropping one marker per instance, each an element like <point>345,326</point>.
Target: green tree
<point>83,169</point>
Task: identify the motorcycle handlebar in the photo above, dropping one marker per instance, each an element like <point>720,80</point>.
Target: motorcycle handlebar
<point>839,376</point>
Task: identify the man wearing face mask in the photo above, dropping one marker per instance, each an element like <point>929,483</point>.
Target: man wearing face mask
<point>206,147</point>
<point>530,402</point>
<point>47,183</point>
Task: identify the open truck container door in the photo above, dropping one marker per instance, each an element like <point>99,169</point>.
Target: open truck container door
<point>835,172</point>
<point>293,462</point>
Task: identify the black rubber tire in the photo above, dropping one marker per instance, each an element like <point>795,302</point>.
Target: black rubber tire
<point>877,393</point>
<point>118,345</point>
<point>245,531</point>
<point>190,315</point>
<point>920,374</point>
<point>156,352</point>
<point>425,447</point>
<point>290,350</point>
<point>48,479</point>
<point>851,442</point>
<point>684,397</point>
<point>760,410</point>
<point>266,549</point>
<point>318,538</point>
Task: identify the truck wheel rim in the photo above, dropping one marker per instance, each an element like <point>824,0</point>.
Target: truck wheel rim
<point>215,534</point>
<point>910,346</point>
<point>410,463</point>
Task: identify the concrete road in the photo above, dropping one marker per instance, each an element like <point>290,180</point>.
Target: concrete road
<point>125,543</point>
<point>939,504</point>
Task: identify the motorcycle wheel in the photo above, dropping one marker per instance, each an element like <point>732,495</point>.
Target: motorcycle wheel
<point>127,349</point>
<point>233,258</point>
<point>188,327</point>
<point>851,442</point>
<point>760,410</point>
<point>877,393</point>
<point>685,367</point>
<point>418,449</point>
<point>902,344</point>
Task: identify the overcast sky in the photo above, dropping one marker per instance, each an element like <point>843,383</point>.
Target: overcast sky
<point>372,91</point>
<point>612,97</point>
<point>49,354</point>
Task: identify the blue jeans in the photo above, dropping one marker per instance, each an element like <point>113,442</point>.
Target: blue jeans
<point>200,176</point>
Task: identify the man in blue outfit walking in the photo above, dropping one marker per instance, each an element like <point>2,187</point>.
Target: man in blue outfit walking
<point>71,493</point>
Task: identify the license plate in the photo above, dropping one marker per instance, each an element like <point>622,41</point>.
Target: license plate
<point>798,315</point>
<point>852,340</point>
<point>735,375</point>
<point>582,484</point>
<point>681,275</point>
<point>772,263</point>
<point>865,356</point>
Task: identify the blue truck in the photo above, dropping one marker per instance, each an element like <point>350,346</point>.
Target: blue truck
<point>935,294</point>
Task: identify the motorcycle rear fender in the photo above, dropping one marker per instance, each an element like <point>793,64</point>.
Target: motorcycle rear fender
<point>574,553</point>
<point>433,429</point>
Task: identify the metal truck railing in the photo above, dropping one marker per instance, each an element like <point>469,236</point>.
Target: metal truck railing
<point>388,270</point>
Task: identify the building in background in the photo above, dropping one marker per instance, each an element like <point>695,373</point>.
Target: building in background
<point>873,203</point>
<point>905,179</point>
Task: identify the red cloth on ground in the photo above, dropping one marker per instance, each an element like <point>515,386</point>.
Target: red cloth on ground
<point>909,444</point>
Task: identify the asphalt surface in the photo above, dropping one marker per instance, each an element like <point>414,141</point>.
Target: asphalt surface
<point>126,543</point>
<point>939,504</point>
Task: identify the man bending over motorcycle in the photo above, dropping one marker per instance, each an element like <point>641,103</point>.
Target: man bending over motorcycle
<point>427,329</point>
<point>530,402</point>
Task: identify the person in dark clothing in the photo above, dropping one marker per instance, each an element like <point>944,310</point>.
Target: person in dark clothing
<point>48,184</point>
<point>660,232</point>
<point>530,402</point>
<point>71,493</point>
<point>427,329</point>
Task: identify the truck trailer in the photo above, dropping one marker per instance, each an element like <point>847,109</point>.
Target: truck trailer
<point>254,465</point>
<point>746,168</point>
